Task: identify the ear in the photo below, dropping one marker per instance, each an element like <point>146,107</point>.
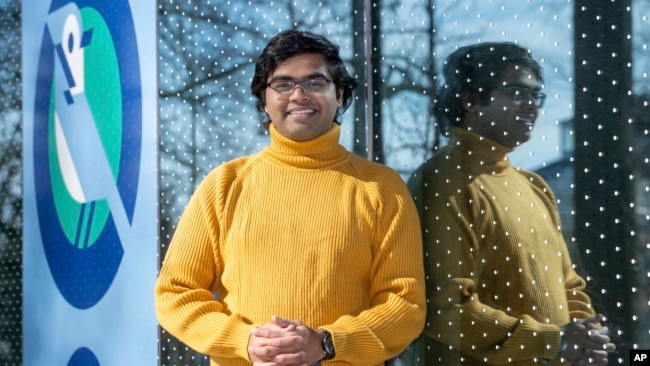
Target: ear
<point>339,97</point>
<point>469,100</point>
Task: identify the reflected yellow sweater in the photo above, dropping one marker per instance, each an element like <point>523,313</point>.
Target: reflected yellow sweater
<point>305,231</point>
<point>499,277</point>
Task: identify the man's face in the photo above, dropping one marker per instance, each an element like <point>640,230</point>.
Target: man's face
<point>509,118</point>
<point>298,115</point>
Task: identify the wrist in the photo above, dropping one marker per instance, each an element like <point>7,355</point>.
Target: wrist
<point>560,350</point>
<point>563,344</point>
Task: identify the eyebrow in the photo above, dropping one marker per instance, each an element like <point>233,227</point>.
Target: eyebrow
<point>289,78</point>
<point>519,85</point>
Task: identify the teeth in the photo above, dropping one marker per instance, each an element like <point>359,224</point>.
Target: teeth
<point>303,111</point>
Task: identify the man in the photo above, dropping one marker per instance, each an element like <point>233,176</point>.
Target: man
<point>313,253</point>
<point>500,283</point>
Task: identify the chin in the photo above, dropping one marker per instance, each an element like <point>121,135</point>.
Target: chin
<point>521,141</point>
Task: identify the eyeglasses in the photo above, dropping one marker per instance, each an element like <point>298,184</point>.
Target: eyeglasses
<point>522,95</point>
<point>286,87</point>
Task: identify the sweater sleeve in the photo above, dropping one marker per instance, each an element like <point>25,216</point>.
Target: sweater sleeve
<point>579,302</point>
<point>457,316</point>
<point>396,314</point>
<point>184,292</point>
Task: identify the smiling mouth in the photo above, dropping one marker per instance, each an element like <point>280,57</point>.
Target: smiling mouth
<point>526,119</point>
<point>302,111</point>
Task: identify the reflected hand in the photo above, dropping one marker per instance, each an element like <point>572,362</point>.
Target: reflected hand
<point>587,343</point>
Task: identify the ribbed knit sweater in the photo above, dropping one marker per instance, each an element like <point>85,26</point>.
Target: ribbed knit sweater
<point>500,281</point>
<point>305,231</point>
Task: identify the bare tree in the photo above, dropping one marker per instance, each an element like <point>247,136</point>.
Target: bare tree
<point>411,79</point>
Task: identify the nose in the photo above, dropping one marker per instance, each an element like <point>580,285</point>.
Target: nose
<point>301,95</point>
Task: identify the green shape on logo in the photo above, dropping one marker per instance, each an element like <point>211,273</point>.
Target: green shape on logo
<point>82,223</point>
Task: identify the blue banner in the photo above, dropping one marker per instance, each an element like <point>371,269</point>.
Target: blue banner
<point>90,182</point>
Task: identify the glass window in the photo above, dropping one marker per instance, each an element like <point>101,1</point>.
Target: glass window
<point>591,142</point>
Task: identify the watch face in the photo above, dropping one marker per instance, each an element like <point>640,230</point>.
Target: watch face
<point>328,345</point>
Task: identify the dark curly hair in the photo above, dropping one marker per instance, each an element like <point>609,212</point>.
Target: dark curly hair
<point>477,68</point>
<point>292,43</point>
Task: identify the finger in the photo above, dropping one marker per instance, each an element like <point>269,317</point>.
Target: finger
<point>594,328</point>
<point>268,349</point>
<point>607,347</point>
<point>598,343</point>
<point>278,320</point>
<point>270,325</point>
<point>281,356</point>
<point>290,342</point>
<point>272,331</point>
<point>596,357</point>
<point>598,337</point>
<point>284,323</point>
<point>592,320</point>
<point>595,354</point>
<point>598,362</point>
<point>266,332</point>
<point>290,358</point>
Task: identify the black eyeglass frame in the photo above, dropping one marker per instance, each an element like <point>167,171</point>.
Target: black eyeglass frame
<point>521,94</point>
<point>287,93</point>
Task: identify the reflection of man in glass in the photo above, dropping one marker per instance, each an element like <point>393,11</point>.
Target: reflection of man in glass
<point>500,283</point>
<point>314,253</point>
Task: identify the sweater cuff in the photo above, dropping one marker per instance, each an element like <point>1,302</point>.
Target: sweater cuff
<point>240,338</point>
<point>553,343</point>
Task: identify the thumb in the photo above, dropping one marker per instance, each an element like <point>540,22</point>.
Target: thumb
<point>281,322</point>
<point>592,320</point>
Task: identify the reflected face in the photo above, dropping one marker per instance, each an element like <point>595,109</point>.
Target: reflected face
<point>506,119</point>
<point>302,116</point>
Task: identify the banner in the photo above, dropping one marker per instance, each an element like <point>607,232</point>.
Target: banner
<point>90,182</point>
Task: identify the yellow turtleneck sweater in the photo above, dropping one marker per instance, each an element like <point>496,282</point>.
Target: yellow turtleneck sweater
<point>500,282</point>
<point>305,231</point>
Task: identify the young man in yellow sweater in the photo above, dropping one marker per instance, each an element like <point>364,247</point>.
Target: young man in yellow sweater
<point>303,252</point>
<point>500,283</point>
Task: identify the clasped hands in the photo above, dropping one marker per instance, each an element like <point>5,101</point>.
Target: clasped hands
<point>587,343</point>
<point>283,342</point>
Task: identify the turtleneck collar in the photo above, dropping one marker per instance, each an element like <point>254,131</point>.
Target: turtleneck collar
<point>485,152</point>
<point>317,153</point>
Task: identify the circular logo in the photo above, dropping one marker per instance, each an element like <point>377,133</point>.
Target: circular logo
<point>87,143</point>
<point>83,357</point>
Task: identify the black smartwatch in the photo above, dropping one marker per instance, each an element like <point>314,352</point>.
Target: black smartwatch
<point>328,345</point>
<point>561,348</point>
